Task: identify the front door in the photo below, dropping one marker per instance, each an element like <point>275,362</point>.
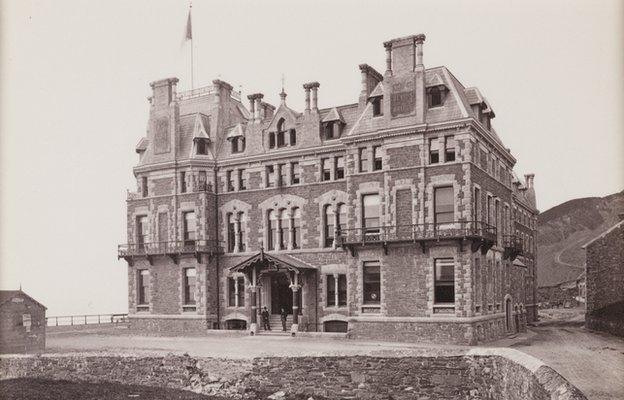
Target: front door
<point>281,295</point>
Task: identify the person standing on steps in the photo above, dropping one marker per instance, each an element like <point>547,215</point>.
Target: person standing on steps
<point>283,316</point>
<point>265,319</point>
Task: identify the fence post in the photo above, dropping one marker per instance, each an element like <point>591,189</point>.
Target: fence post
<point>98,319</point>
<point>56,321</point>
<point>85,319</point>
<point>72,319</point>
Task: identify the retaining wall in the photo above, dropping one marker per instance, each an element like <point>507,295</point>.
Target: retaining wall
<point>507,374</point>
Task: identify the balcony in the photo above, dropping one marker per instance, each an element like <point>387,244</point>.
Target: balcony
<point>513,247</point>
<point>481,235</point>
<point>173,249</point>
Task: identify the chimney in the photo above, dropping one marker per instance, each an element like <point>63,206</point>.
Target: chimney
<point>163,91</point>
<point>222,86</point>
<point>404,54</point>
<point>369,79</point>
<point>306,87</point>
<point>252,106</point>
<point>529,180</point>
<point>314,101</point>
<point>257,107</point>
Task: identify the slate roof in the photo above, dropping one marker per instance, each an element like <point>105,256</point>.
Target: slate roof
<point>7,295</point>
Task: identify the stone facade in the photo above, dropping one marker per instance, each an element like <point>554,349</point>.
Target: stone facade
<point>22,323</point>
<point>604,272</point>
<point>331,195</point>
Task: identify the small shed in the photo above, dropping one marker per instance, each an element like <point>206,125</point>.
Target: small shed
<point>22,323</point>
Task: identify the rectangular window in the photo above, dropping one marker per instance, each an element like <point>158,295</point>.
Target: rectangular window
<point>328,128</point>
<point>188,219</point>
<point>231,233</point>
<point>271,140</point>
<point>242,180</point>
<point>477,285</point>
<point>241,231</point>
<point>190,277</point>
<point>293,137</point>
<point>331,291</point>
<point>202,147</point>
<point>182,182</point>
<point>488,210</point>
<point>230,180</point>
<point>144,192</point>
<point>329,226</point>
<point>282,174</point>
<point>444,281</point>
<point>232,292</point>
<point>372,282</point>
<point>270,176</point>
<point>476,204</point>
<point>294,173</point>
<point>434,151</point>
<point>363,156</point>
<point>443,205</point>
<point>337,287</point>
<point>371,215</point>
<point>236,292</point>
<point>377,106</point>
<point>281,139</point>
<point>377,161</point>
<point>143,287</point>
<point>449,148</point>
<point>325,169</point>
<point>339,165</point>
<point>142,231</point>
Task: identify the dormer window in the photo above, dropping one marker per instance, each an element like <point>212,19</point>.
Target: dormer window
<point>238,144</point>
<point>377,106</point>
<point>202,146</point>
<point>293,137</point>
<point>281,133</point>
<point>271,140</point>
<point>436,96</point>
<point>328,130</point>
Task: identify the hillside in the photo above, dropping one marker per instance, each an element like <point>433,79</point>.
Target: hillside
<point>563,229</point>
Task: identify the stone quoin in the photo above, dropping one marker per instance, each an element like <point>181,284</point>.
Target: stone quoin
<point>396,217</point>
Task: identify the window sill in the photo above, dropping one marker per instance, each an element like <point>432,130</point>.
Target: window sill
<point>336,308</point>
<point>142,308</point>
<point>370,309</point>
<point>189,308</point>
<point>444,308</point>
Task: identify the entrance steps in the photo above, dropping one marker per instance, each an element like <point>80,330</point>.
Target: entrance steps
<point>276,324</point>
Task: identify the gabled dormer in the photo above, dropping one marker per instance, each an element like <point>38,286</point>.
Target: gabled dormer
<point>481,108</point>
<point>436,92</point>
<point>332,125</point>
<point>282,129</point>
<point>236,137</point>
<point>201,136</point>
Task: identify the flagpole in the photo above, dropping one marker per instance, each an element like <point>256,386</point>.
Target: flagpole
<point>192,63</point>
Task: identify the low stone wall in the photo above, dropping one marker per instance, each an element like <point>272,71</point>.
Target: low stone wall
<point>421,330</point>
<point>468,376</point>
<point>169,326</point>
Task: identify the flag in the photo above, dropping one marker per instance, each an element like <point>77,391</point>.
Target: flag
<point>189,29</point>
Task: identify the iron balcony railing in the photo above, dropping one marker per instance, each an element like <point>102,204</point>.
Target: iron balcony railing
<point>417,232</point>
<point>513,246</point>
<point>171,247</point>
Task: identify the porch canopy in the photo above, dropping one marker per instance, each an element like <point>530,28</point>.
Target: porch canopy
<point>262,264</point>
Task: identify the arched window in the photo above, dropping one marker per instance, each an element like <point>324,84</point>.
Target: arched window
<point>296,226</point>
<point>329,220</point>
<point>272,225</point>
<point>283,229</point>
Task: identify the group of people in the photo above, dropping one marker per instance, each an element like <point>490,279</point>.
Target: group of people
<point>265,318</point>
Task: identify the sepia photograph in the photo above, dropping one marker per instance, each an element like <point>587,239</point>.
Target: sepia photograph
<point>312,200</point>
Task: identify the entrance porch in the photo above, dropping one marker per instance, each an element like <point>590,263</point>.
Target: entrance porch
<point>275,282</point>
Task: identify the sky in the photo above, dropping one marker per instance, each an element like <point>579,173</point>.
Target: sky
<point>74,78</point>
